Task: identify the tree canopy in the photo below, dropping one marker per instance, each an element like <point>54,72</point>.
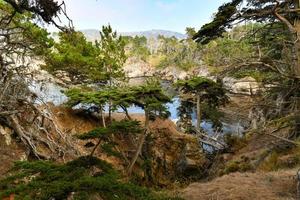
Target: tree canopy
<point>206,94</point>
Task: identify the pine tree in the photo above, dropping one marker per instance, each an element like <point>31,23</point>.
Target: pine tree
<point>205,92</point>
<point>150,97</point>
<point>113,55</point>
<point>76,57</point>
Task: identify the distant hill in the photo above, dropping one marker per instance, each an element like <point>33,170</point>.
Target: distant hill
<point>93,34</point>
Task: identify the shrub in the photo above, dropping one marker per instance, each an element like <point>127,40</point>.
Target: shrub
<point>84,177</point>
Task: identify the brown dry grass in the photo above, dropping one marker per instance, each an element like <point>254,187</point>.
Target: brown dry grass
<point>278,185</point>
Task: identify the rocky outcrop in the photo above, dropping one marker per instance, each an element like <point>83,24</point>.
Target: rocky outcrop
<point>173,155</point>
<point>137,68</point>
<point>172,73</point>
<point>246,85</point>
<point>167,153</point>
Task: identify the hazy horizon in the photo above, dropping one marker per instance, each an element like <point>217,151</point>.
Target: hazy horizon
<point>140,15</point>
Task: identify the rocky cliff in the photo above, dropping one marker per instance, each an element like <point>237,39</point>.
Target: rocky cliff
<point>171,153</point>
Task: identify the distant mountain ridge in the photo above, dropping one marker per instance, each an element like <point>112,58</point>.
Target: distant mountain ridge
<point>93,34</point>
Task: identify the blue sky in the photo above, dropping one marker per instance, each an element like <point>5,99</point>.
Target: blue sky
<point>139,15</point>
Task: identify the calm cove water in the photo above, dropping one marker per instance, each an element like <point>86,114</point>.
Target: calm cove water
<point>50,92</point>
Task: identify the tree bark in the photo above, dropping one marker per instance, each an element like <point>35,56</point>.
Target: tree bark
<point>126,113</point>
<point>198,112</point>
<point>141,142</point>
<point>109,110</point>
<point>102,117</point>
<point>95,147</point>
<point>297,40</point>
<point>104,125</point>
<point>294,28</point>
<point>109,101</point>
<point>27,140</point>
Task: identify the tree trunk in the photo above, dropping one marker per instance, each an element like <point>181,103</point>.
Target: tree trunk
<point>109,110</point>
<point>104,125</point>
<point>294,28</point>
<point>296,25</point>
<point>95,147</point>
<point>141,141</point>
<point>296,69</point>
<point>198,113</point>
<point>102,117</point>
<point>109,101</point>
<point>297,64</point>
<point>126,112</point>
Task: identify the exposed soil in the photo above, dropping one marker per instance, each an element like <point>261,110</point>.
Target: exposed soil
<point>10,153</point>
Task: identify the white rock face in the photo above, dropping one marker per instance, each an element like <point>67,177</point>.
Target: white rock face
<point>201,71</point>
<point>247,85</point>
<point>6,132</point>
<point>172,73</point>
<point>137,68</point>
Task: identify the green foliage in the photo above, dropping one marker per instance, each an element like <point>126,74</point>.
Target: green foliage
<point>137,47</point>
<point>185,111</point>
<point>211,113</point>
<point>74,55</point>
<point>210,92</point>
<point>181,54</point>
<point>258,75</point>
<point>21,34</point>
<point>104,135</point>
<point>101,133</point>
<point>84,177</point>
<point>218,26</point>
<point>195,84</point>
<point>222,53</point>
<point>266,52</point>
<point>190,32</point>
<point>242,165</point>
<point>38,38</point>
<point>80,96</point>
<point>126,127</point>
<point>108,148</point>
<point>112,54</point>
<point>277,56</point>
<point>212,95</point>
<point>149,96</point>
<point>84,61</point>
<point>117,127</point>
<point>46,10</point>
